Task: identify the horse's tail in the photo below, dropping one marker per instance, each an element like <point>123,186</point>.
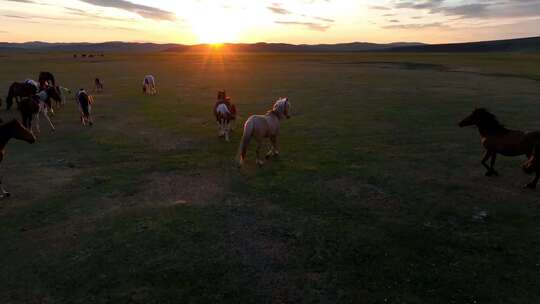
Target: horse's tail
<point>249,129</point>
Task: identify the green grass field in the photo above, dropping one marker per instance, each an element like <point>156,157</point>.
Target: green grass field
<point>375,199</point>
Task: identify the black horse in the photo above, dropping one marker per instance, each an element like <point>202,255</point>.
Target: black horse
<point>19,90</point>
<point>46,79</point>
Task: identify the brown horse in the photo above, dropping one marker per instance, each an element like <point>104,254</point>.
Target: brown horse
<point>497,139</point>
<point>12,129</point>
<point>264,126</point>
<point>29,107</point>
<point>98,85</point>
<point>19,90</point>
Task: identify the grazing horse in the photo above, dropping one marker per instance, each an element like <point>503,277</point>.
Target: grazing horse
<point>19,90</point>
<point>149,85</point>
<point>12,129</point>
<point>496,139</point>
<point>264,126</point>
<point>45,105</point>
<point>98,85</point>
<point>46,79</point>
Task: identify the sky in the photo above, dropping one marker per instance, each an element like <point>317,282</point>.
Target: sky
<point>248,21</point>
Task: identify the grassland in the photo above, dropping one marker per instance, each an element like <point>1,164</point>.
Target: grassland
<point>378,196</point>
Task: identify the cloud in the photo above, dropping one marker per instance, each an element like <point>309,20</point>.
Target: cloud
<point>309,25</point>
<point>141,10</point>
<point>277,9</point>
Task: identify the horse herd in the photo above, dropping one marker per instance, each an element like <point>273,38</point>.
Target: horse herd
<point>34,98</point>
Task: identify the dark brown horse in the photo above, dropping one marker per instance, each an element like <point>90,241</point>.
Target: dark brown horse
<point>19,90</point>
<point>497,139</point>
<point>12,129</point>
<point>46,79</point>
<point>29,107</point>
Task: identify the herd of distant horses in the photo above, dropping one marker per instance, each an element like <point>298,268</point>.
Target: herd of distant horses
<point>35,98</point>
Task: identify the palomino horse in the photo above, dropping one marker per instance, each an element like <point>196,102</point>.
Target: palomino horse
<point>264,126</point>
<point>149,85</point>
<point>45,105</point>
<point>46,79</point>
<point>19,90</point>
<point>497,139</point>
<point>12,129</point>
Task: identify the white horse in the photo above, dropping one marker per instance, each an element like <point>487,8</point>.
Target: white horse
<point>264,126</point>
<point>45,106</point>
<point>149,85</point>
<point>64,92</point>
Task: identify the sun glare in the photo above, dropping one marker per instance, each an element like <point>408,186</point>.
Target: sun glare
<point>215,27</point>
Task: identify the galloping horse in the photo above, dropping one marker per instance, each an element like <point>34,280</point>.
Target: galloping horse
<point>46,79</point>
<point>19,90</point>
<point>12,129</point>
<point>497,139</point>
<point>264,126</point>
<point>45,105</point>
<point>149,85</point>
<point>29,107</point>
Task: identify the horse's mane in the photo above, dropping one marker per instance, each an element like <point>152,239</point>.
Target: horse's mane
<point>489,121</point>
<point>278,106</point>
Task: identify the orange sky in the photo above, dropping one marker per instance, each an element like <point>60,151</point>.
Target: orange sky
<point>291,21</point>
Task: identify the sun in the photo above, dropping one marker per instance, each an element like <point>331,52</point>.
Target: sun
<point>215,27</point>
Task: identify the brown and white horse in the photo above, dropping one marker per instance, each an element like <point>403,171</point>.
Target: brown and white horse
<point>497,139</point>
<point>12,129</point>
<point>265,126</point>
<point>149,85</point>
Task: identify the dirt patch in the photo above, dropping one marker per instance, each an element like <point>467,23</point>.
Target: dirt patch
<point>365,195</point>
<point>171,189</point>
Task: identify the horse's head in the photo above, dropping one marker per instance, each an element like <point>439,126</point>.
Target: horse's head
<point>478,116</point>
<point>282,108</point>
<point>21,133</point>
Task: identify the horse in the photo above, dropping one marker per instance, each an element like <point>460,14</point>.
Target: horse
<point>12,129</point>
<point>45,105</point>
<point>63,92</point>
<point>149,85</point>
<point>46,79</point>
<point>497,139</point>
<point>98,85</point>
<point>264,126</point>
<point>224,117</point>
<point>18,90</point>
<point>29,107</point>
<point>85,105</point>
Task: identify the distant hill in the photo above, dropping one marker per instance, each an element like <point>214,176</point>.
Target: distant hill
<point>283,47</point>
<point>510,45</point>
<point>117,46</point>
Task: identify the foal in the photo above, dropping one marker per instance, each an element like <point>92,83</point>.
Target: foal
<point>264,126</point>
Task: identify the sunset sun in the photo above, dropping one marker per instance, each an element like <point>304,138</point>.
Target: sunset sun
<point>214,27</point>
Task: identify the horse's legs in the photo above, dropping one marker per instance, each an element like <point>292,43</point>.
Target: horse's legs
<point>259,161</point>
<point>4,192</point>
<point>489,155</point>
<point>227,130</point>
<point>45,113</point>
<point>532,185</point>
<point>273,149</point>
<point>38,129</point>
<point>492,164</point>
